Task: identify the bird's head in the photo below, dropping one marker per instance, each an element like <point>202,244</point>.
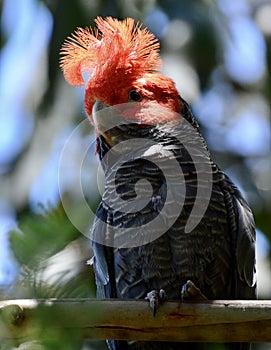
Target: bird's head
<point>123,64</point>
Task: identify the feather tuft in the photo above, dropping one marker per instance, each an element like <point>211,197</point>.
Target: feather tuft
<point>114,46</point>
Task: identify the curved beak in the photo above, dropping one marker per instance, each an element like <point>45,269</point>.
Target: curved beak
<point>106,117</point>
<point>98,106</point>
<point>99,116</point>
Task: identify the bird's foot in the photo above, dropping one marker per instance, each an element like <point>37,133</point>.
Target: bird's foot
<point>155,298</point>
<point>191,292</point>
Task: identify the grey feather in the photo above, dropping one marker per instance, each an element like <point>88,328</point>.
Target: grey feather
<point>218,255</point>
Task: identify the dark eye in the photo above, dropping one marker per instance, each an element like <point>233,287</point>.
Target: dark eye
<point>135,96</point>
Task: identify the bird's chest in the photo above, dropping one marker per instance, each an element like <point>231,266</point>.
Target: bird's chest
<point>161,264</point>
<point>141,269</point>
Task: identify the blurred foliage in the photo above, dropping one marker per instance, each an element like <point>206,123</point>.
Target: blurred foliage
<point>41,236</point>
<point>43,246</point>
<point>44,240</point>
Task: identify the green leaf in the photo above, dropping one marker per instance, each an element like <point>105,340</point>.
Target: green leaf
<point>41,235</point>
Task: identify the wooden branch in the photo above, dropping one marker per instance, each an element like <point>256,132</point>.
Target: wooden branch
<point>212,321</point>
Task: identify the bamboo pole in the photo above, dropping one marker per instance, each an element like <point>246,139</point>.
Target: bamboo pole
<point>212,321</point>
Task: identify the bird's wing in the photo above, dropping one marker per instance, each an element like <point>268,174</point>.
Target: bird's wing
<point>244,238</point>
<point>102,256</point>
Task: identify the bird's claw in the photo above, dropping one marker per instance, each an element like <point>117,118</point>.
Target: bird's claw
<point>155,297</point>
<point>191,292</point>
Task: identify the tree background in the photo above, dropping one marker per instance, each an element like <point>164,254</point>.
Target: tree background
<point>217,52</point>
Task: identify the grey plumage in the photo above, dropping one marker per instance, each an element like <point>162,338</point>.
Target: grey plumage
<point>218,255</point>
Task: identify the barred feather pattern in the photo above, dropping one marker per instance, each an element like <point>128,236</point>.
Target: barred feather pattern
<point>218,255</point>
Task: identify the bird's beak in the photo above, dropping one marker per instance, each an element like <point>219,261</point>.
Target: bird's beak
<point>106,118</point>
<point>98,114</point>
<point>98,106</point>
<point>100,111</point>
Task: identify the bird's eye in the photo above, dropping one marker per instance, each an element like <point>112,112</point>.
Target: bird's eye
<point>135,96</point>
